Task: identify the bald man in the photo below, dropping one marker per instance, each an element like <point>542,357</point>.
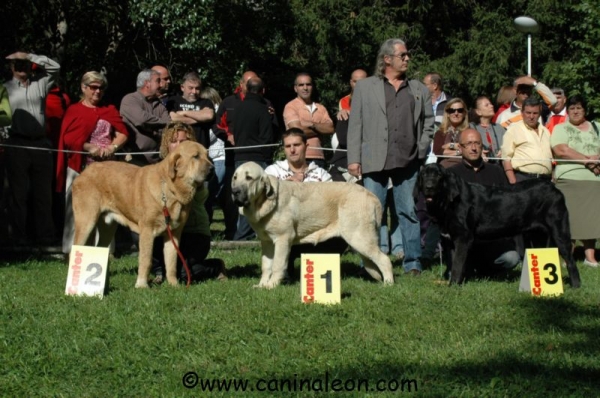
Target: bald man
<point>345,102</point>
<point>225,113</point>
<point>225,122</point>
<point>165,82</point>
<point>485,257</point>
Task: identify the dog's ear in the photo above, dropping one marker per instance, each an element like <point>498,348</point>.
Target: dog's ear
<point>451,184</point>
<point>268,187</point>
<point>172,165</point>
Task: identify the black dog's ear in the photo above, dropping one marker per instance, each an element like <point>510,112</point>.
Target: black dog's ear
<point>451,184</point>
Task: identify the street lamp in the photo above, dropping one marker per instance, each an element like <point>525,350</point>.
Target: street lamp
<point>529,26</point>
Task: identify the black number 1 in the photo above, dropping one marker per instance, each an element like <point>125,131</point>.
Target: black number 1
<point>327,277</point>
<point>90,279</point>
<point>552,273</point>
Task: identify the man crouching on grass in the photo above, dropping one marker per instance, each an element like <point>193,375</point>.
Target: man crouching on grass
<point>486,257</point>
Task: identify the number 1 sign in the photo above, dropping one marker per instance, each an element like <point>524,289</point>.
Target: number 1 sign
<point>320,278</point>
<point>87,271</point>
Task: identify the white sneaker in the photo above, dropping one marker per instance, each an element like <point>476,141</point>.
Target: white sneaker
<point>590,264</point>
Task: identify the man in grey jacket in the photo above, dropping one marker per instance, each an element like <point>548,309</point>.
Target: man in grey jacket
<point>145,116</point>
<point>390,129</point>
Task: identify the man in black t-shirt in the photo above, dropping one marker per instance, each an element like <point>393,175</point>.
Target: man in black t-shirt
<point>191,109</point>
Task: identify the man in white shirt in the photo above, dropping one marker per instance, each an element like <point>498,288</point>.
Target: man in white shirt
<point>295,167</point>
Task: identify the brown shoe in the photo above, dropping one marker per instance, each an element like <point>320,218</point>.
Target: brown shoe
<point>222,271</point>
<point>413,272</point>
<point>399,257</point>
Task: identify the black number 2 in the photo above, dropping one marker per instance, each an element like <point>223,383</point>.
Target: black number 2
<point>551,273</point>
<point>327,277</point>
<point>90,279</point>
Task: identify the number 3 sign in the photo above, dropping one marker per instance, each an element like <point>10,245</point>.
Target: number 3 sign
<point>87,271</point>
<point>541,273</point>
<point>320,278</point>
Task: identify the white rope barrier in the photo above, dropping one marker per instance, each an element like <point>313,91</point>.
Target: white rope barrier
<point>321,148</point>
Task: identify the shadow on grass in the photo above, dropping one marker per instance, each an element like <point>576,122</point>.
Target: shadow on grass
<point>567,318</point>
<point>507,375</point>
<point>246,271</point>
<point>8,259</point>
<point>348,270</point>
<point>561,369</point>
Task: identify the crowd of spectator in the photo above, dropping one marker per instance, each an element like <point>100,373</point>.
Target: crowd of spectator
<point>385,129</point>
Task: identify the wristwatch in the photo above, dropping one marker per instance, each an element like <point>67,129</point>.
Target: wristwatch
<point>534,83</point>
<point>116,147</point>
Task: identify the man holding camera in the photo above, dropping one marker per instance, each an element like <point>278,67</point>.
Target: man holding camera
<point>29,169</point>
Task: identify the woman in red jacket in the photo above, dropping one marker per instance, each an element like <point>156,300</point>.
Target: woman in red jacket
<point>88,126</point>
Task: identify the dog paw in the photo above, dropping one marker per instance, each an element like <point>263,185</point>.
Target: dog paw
<point>174,282</point>
<point>141,284</point>
<point>271,285</point>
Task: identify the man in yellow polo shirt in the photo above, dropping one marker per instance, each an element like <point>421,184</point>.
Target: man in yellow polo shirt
<point>527,145</point>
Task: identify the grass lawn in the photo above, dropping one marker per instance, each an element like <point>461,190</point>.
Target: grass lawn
<point>483,339</point>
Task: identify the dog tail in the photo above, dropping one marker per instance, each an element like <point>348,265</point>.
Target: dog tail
<point>377,213</point>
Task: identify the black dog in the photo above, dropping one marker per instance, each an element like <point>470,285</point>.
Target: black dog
<point>469,212</point>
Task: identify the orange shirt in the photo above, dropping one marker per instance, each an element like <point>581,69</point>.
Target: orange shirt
<point>296,110</point>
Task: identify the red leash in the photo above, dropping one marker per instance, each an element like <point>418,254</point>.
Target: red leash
<point>168,221</point>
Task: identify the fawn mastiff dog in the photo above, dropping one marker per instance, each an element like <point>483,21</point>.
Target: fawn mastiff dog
<point>469,211</point>
<point>109,192</point>
<point>285,213</point>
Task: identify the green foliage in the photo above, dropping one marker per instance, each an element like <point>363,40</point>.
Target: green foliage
<point>474,45</point>
<point>578,69</point>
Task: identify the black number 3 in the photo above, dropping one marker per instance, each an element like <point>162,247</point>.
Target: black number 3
<point>90,279</point>
<point>551,273</point>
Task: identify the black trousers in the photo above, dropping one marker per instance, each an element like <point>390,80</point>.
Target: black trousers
<point>29,173</point>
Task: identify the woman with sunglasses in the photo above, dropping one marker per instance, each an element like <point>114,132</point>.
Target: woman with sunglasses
<point>492,134</point>
<point>445,140</point>
<point>88,126</point>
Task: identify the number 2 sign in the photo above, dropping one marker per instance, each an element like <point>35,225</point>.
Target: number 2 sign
<point>87,271</point>
<point>320,278</point>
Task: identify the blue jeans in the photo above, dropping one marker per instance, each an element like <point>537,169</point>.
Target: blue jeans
<point>215,187</point>
<point>403,184</point>
<point>395,238</point>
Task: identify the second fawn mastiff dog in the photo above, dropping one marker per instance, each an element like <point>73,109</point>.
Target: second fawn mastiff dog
<point>285,213</point>
<point>110,192</point>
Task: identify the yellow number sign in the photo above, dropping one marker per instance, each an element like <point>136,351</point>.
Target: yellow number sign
<point>541,274</point>
<point>320,278</point>
<point>87,271</point>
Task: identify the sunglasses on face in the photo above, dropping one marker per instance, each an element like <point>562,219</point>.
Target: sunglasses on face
<point>401,55</point>
<point>455,110</point>
<point>94,87</point>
